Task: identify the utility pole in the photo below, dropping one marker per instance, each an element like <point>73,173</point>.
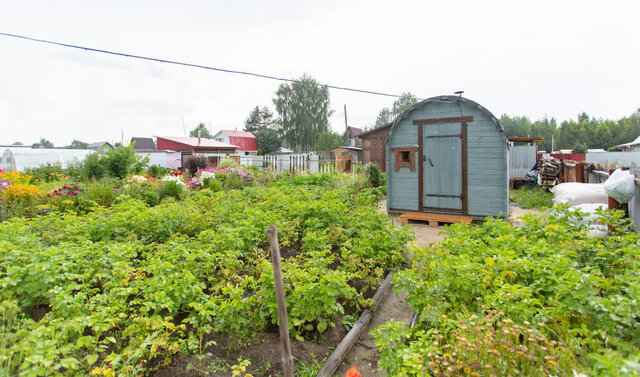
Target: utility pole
<point>122,137</point>
<point>184,129</point>
<point>346,127</point>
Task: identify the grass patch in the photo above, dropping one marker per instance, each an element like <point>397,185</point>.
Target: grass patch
<point>531,197</point>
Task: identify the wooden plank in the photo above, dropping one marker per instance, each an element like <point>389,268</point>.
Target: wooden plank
<point>419,122</point>
<point>420,166</point>
<point>336,357</point>
<point>465,194</point>
<point>434,218</point>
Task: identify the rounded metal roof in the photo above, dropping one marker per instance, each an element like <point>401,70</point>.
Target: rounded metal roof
<point>457,100</point>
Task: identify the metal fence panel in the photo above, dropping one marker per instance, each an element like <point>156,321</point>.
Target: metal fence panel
<point>521,159</point>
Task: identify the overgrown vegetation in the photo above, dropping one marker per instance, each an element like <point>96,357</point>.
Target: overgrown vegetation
<point>122,287</point>
<point>538,300</point>
<point>531,197</point>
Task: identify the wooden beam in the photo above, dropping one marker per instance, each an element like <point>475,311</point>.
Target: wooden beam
<point>334,360</point>
<point>419,122</point>
<point>525,139</point>
<point>413,148</point>
<point>463,146</point>
<point>420,166</point>
<point>433,218</point>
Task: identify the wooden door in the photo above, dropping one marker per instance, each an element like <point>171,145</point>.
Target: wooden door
<point>443,166</point>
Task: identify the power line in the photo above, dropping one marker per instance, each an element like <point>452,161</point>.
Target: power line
<point>192,65</point>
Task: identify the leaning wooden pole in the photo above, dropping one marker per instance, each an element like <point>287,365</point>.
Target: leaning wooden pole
<point>287,360</point>
<point>335,359</point>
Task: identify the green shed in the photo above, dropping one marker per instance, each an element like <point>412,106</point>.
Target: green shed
<point>447,155</point>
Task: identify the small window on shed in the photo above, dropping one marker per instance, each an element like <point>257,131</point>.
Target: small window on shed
<point>404,157</point>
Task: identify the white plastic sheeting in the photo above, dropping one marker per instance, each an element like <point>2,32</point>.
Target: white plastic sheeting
<point>171,160</point>
<point>20,159</point>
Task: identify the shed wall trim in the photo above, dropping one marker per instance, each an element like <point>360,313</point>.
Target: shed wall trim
<point>419,122</point>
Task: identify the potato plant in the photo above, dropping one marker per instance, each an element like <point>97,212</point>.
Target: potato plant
<point>121,290</point>
<point>537,300</point>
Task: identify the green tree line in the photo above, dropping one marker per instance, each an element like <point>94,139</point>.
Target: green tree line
<point>584,133</point>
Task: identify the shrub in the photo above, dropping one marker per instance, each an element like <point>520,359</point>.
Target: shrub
<point>212,184</point>
<point>123,161</point>
<point>93,168</point>
<point>229,162</point>
<point>195,163</point>
<point>149,192</point>
<point>172,189</point>
<point>18,199</point>
<point>46,173</point>
<point>157,171</point>
<point>375,176</point>
<point>103,192</point>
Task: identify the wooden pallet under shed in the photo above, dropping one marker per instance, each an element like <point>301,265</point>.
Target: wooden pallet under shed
<point>434,219</point>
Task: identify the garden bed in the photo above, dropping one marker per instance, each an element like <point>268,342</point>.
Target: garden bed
<point>186,288</point>
<point>545,298</point>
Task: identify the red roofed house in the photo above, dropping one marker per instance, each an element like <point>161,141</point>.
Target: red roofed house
<point>246,141</point>
<point>192,146</point>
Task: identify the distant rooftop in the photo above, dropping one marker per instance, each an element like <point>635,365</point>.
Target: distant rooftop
<point>143,143</point>
<point>193,142</point>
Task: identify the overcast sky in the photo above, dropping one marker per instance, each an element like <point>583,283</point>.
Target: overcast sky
<point>536,58</point>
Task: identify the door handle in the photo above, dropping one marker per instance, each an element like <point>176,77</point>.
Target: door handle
<point>430,162</point>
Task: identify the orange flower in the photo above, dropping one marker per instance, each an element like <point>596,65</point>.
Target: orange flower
<point>353,372</point>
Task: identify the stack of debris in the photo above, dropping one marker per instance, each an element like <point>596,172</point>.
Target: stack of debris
<point>549,172</point>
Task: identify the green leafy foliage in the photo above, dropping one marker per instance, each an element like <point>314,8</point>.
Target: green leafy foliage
<point>268,141</point>
<point>122,289</point>
<point>201,131</point>
<point>531,197</point>
<point>580,134</point>
<point>548,282</point>
<point>304,110</point>
<point>387,115</point>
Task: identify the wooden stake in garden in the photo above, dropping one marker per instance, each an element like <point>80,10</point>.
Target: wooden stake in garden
<point>287,360</point>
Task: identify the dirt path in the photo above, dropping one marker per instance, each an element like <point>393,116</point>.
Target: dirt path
<point>364,354</point>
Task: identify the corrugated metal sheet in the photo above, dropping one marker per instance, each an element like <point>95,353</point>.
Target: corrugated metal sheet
<point>522,159</point>
<point>615,158</point>
<point>244,143</point>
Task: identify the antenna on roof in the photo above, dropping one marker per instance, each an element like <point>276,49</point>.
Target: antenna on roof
<point>459,93</point>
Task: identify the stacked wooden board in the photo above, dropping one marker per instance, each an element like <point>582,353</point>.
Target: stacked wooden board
<point>549,172</point>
